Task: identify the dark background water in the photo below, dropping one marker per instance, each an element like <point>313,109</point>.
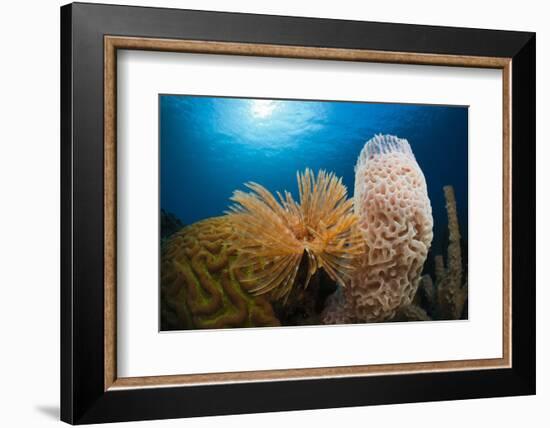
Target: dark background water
<point>211,146</point>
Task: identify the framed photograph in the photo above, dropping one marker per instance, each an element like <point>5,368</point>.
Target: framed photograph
<point>266,213</point>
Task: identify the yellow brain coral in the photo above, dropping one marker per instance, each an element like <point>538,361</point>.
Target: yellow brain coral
<point>200,285</point>
<point>395,221</point>
<point>274,235</point>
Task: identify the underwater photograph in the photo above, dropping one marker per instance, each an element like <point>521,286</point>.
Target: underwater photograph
<point>283,212</point>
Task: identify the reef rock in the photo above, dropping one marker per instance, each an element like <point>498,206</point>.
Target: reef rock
<point>411,313</point>
<point>169,224</point>
<point>395,219</point>
<point>200,285</point>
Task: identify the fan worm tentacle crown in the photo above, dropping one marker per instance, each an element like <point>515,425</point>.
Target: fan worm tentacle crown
<point>274,235</point>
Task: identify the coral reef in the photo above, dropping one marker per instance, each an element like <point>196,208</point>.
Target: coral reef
<point>446,299</point>
<point>274,235</point>
<point>200,285</point>
<point>231,271</point>
<point>395,219</point>
<point>169,224</point>
<point>321,259</point>
<point>411,312</point>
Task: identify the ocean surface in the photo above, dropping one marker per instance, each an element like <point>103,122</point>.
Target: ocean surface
<point>211,146</point>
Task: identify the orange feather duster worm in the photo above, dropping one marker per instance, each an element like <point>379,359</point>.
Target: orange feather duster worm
<point>273,235</point>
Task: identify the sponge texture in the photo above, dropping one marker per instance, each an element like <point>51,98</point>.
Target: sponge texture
<point>395,218</point>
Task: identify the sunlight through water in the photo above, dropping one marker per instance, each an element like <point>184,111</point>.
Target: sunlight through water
<point>262,108</point>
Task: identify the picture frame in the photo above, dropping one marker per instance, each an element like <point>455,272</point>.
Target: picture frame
<point>91,36</point>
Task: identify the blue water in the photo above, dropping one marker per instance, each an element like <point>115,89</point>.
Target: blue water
<point>210,146</point>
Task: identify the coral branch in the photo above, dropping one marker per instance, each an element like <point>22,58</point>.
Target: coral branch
<point>454,255</point>
<point>439,268</point>
<point>446,299</point>
<point>451,294</point>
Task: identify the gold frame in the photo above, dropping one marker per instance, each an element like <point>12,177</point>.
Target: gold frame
<point>113,43</point>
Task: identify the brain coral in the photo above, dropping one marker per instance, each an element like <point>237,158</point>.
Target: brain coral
<point>200,285</point>
<point>395,219</point>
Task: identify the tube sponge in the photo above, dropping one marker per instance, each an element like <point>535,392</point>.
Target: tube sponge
<point>452,294</point>
<point>395,219</point>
